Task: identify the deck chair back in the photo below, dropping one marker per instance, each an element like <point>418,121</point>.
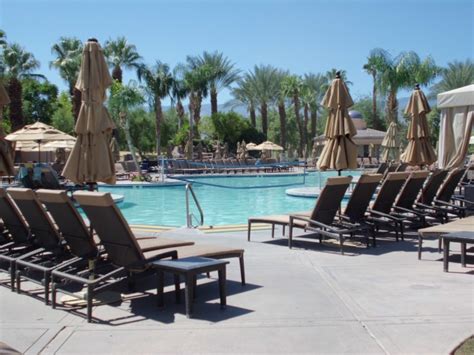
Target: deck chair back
<point>411,189</point>
<point>389,191</point>
<point>447,189</point>
<point>432,186</point>
<point>329,200</point>
<point>12,219</point>
<point>42,227</point>
<point>71,225</point>
<point>382,168</point>
<point>111,227</point>
<point>361,196</point>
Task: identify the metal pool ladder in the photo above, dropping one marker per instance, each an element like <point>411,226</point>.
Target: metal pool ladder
<point>189,215</point>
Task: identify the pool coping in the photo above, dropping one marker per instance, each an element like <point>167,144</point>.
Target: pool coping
<point>205,229</point>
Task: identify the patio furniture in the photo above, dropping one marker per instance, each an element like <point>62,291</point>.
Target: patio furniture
<point>189,268</point>
<point>456,237</point>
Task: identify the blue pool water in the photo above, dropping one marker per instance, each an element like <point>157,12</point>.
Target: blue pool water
<point>224,200</point>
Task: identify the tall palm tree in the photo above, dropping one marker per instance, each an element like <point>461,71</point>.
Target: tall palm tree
<point>3,38</point>
<point>18,64</point>
<point>318,84</point>
<point>159,83</point>
<point>121,54</point>
<point>222,74</point>
<point>122,99</point>
<point>244,94</point>
<point>197,76</point>
<point>179,92</point>
<point>331,74</point>
<point>402,71</point>
<point>374,63</point>
<point>281,104</point>
<point>456,75</point>
<point>292,86</point>
<point>68,61</point>
<point>266,88</point>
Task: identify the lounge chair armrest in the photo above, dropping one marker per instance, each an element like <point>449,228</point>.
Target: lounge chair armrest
<point>380,214</point>
<point>458,198</point>
<point>308,220</point>
<point>407,210</point>
<point>447,204</point>
<point>173,254</point>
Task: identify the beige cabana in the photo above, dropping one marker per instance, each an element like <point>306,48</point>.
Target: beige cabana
<point>457,117</point>
<point>340,151</point>
<point>391,144</point>
<point>91,158</point>
<point>419,150</point>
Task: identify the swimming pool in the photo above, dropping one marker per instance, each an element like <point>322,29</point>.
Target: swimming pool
<point>224,199</point>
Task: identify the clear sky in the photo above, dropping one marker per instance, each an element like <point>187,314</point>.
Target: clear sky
<point>302,36</point>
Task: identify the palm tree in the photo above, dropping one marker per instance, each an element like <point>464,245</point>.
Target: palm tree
<point>374,63</point>
<point>120,54</point>
<point>3,38</point>
<point>222,74</point>
<point>244,94</point>
<point>456,75</point>
<point>281,102</point>
<point>318,84</point>
<point>264,84</point>
<point>179,92</point>
<point>68,61</point>
<point>122,99</point>
<point>331,74</point>
<point>292,86</point>
<point>402,71</point>
<point>196,78</point>
<point>18,64</point>
<point>159,83</point>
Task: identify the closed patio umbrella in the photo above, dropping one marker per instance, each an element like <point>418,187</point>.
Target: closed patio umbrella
<point>419,150</point>
<point>391,144</point>
<point>6,151</point>
<point>114,146</point>
<point>91,159</point>
<point>339,152</point>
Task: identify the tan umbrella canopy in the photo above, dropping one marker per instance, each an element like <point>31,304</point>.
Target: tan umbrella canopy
<point>419,150</point>
<point>267,145</point>
<point>391,144</point>
<point>38,131</point>
<point>6,151</point>
<point>91,158</point>
<point>251,146</point>
<point>66,144</point>
<point>339,152</point>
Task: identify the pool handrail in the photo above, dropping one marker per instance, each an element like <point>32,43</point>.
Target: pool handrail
<point>189,215</point>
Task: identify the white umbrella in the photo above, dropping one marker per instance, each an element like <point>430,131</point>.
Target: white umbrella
<point>268,145</point>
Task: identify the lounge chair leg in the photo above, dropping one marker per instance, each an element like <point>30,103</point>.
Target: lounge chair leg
<point>248,231</point>
<point>396,234</point>
<point>283,231</point>
<point>242,269</point>
<point>273,231</point>
<point>177,289</point>
<point>439,244</point>
<point>290,237</point>
<point>90,295</point>
<point>53,293</point>
<point>46,287</point>
<point>420,243</point>
<point>463,254</point>
<point>189,295</point>
<point>402,231</point>
<point>12,275</point>
<point>194,286</point>
<point>18,281</point>
<point>341,244</point>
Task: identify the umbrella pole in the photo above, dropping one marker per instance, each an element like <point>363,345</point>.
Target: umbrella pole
<point>39,151</point>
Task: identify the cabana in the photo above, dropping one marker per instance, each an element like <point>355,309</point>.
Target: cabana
<point>457,117</point>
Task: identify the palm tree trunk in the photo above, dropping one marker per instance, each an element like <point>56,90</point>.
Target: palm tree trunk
<point>296,106</point>
<point>314,122</point>
<point>128,137</point>
<point>253,115</point>
<point>392,107</point>
<point>117,73</point>
<point>305,128</point>
<point>180,112</point>
<point>264,113</point>
<point>282,114</point>
<point>14,90</point>
<point>159,120</point>
<point>76,103</point>
<point>374,99</point>
<point>197,113</point>
<point>213,101</point>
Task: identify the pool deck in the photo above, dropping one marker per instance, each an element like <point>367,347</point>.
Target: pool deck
<point>309,299</point>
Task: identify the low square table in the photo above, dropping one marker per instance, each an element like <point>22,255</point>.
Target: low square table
<point>189,268</point>
<point>459,237</point>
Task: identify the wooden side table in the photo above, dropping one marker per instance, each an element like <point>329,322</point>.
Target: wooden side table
<point>189,268</point>
<point>459,237</point>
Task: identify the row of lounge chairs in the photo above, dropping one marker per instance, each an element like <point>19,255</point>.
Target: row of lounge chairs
<point>226,166</point>
<point>403,198</point>
<point>46,241</point>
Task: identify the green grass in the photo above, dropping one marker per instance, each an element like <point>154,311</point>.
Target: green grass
<point>466,348</point>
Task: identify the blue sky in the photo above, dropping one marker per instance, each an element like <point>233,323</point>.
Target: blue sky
<point>302,36</point>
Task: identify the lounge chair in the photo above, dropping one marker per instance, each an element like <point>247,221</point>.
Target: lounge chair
<point>114,232</point>
<point>120,172</point>
<point>17,233</point>
<point>380,211</point>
